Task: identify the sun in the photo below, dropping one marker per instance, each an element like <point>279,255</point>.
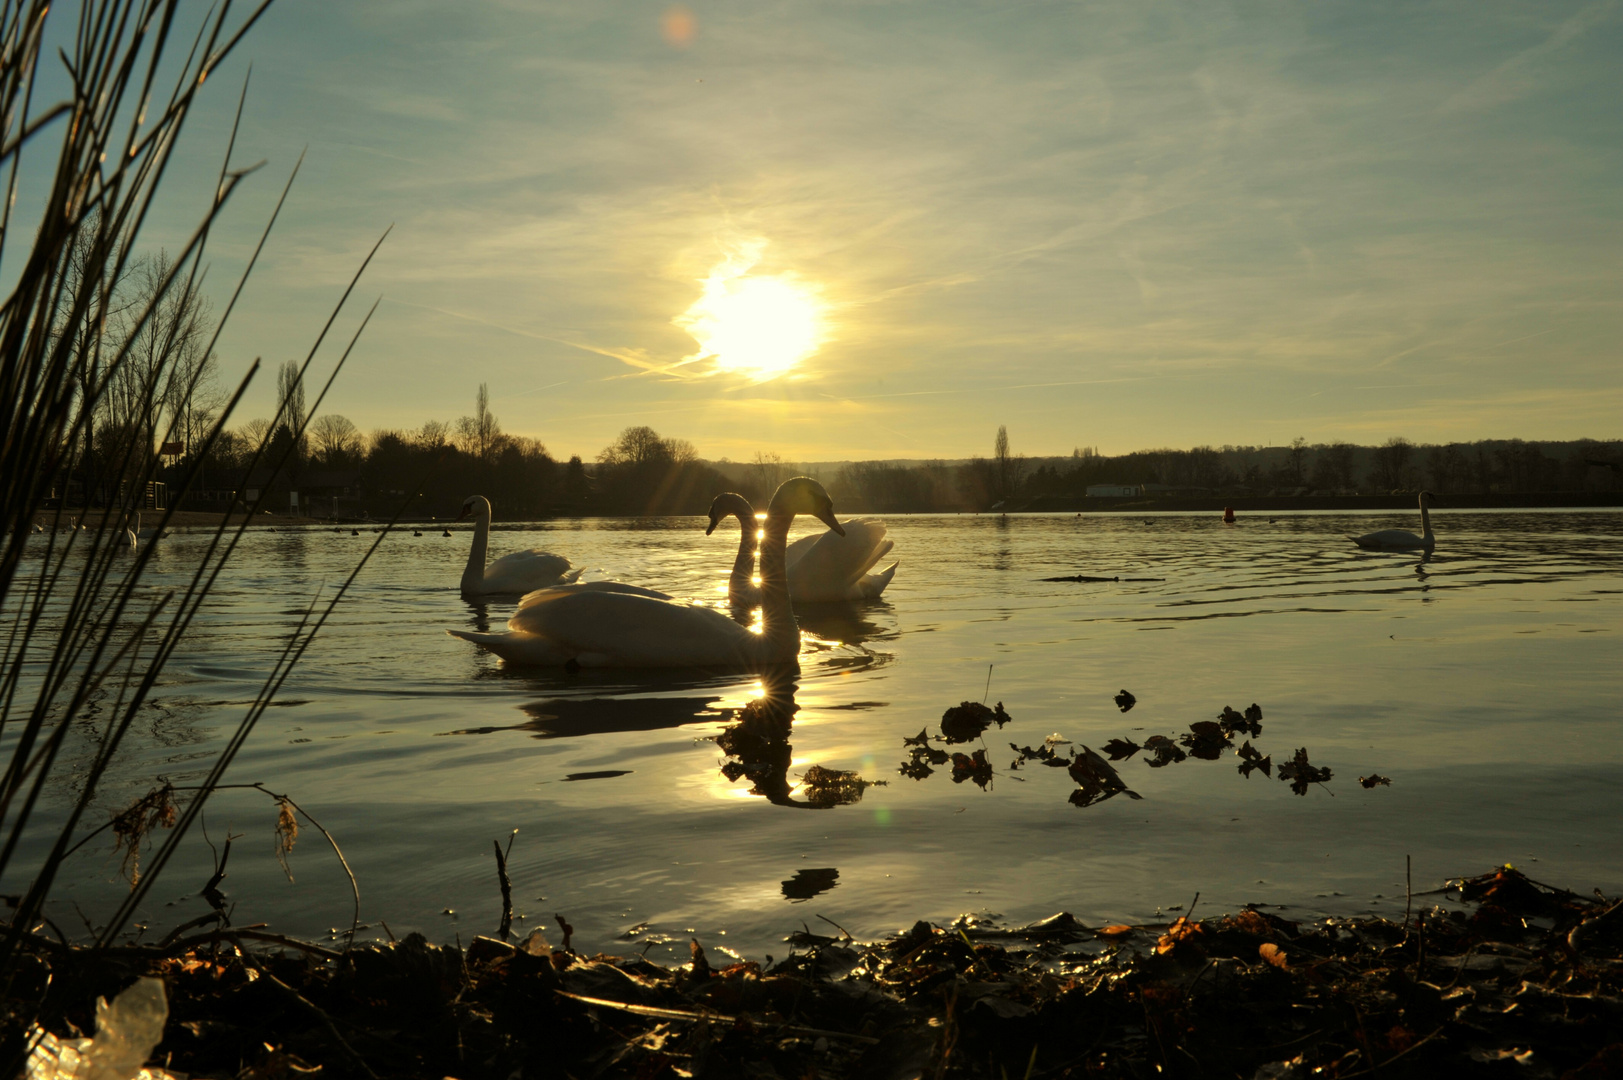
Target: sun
<point>758,325</point>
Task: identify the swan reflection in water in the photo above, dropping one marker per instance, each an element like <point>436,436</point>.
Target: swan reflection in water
<point>756,739</point>
<point>846,622</point>
<point>478,612</point>
<point>758,750</point>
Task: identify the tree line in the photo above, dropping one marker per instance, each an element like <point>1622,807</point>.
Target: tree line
<point>339,470</point>
<point>1300,469</point>
<point>440,463</point>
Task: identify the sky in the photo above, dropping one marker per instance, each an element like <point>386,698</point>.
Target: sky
<point>1107,224</point>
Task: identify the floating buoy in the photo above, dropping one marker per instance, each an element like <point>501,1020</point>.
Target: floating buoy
<point>1228,515</point>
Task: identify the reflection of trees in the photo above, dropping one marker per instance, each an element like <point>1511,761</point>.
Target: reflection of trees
<point>757,744</point>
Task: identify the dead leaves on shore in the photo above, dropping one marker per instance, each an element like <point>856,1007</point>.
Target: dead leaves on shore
<point>1517,980</point>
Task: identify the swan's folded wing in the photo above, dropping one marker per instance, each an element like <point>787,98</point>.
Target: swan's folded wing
<point>525,570</point>
<point>872,585</point>
<point>594,586</point>
<point>627,630</point>
<point>834,563</point>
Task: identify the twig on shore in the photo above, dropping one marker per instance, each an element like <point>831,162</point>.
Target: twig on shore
<point>507,886</point>
<point>714,1018</point>
<point>319,1013</point>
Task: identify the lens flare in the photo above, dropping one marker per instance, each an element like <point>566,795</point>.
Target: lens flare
<point>754,324</point>
<point>678,26</point>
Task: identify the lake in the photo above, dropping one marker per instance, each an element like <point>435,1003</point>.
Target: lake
<point>1482,681</point>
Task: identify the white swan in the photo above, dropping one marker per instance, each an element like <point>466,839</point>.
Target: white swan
<point>616,627</point>
<point>823,567</point>
<point>1402,539</point>
<point>520,572</point>
<point>133,532</point>
<point>595,586</point>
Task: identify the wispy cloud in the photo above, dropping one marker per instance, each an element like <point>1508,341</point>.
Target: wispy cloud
<point>1521,73</point>
<point>1166,223</point>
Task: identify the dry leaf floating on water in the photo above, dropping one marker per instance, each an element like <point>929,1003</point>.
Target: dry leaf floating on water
<point>1300,773</point>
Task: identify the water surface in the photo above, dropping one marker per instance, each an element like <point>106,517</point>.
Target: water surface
<point>1482,680</point>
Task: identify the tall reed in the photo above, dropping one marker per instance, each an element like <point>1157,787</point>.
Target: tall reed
<point>83,625</point>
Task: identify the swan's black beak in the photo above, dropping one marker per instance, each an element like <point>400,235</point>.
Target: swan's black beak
<point>465,512</point>
<point>710,528</point>
<point>826,516</point>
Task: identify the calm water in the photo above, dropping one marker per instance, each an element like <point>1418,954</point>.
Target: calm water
<point>1483,681</point>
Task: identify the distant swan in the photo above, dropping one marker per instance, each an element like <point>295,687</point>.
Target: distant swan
<point>823,567</point>
<point>520,572</point>
<point>618,626</point>
<point>1402,539</point>
<point>133,532</point>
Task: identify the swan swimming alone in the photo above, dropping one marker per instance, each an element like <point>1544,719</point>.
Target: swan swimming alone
<point>614,626</point>
<point>1402,539</point>
<point>822,568</point>
<point>520,572</point>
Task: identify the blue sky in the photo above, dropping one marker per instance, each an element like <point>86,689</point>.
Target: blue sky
<point>1102,224</point>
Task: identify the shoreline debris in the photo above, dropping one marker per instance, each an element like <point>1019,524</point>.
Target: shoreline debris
<point>1507,975</point>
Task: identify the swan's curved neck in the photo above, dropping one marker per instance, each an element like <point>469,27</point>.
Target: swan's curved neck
<point>780,635</point>
<point>473,576</point>
<point>1425,521</point>
<point>739,586</point>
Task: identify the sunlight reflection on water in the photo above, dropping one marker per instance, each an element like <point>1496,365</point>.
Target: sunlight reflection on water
<point>1482,680</point>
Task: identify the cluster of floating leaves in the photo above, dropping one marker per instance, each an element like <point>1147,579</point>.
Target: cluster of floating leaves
<point>964,722</point>
<point>1096,778</point>
<point>1209,740</point>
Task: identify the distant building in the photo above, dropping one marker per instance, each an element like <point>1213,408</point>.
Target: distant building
<point>1114,491</point>
<point>1168,491</point>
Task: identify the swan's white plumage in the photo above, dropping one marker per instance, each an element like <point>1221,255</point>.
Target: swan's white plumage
<point>822,567</point>
<point>1402,539</point>
<point>599,628</point>
<point>605,624</point>
<point>596,586</point>
<point>834,567</point>
<point>519,572</point>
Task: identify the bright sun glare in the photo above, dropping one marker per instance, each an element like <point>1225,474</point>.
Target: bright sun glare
<point>757,325</point>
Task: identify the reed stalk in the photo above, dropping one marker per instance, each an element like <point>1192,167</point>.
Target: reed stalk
<point>82,626</point>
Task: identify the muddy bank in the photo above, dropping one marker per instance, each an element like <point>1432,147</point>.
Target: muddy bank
<point>1492,976</point>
